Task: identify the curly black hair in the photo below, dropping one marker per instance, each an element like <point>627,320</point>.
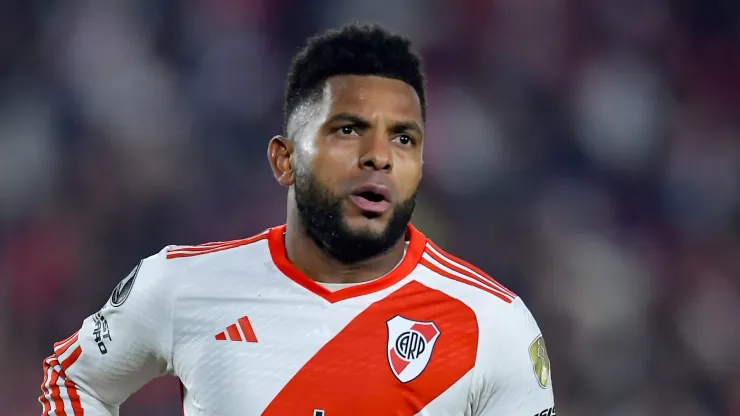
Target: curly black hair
<point>354,49</point>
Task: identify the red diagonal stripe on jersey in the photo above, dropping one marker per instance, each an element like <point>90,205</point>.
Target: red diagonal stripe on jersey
<point>233,333</point>
<point>246,327</point>
<point>221,336</point>
<point>350,375</point>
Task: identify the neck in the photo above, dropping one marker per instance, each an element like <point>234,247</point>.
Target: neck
<point>314,262</point>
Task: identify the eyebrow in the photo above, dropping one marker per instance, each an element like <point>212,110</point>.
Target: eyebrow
<point>350,118</point>
<point>397,127</point>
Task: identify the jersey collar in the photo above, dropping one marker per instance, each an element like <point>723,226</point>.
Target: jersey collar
<point>417,243</point>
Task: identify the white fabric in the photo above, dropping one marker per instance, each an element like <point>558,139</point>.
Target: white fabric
<point>171,321</point>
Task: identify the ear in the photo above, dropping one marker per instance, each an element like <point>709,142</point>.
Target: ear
<point>279,153</point>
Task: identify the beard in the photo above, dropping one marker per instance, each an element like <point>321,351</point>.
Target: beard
<point>320,212</point>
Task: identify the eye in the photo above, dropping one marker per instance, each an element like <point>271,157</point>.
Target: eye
<point>404,139</point>
<point>347,130</point>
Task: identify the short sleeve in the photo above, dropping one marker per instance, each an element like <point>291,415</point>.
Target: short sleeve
<point>513,373</point>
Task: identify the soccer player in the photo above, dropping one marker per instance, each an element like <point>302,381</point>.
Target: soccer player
<point>346,309</point>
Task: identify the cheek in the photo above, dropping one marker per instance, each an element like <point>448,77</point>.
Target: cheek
<point>342,154</point>
<point>327,171</point>
<point>335,162</point>
<point>408,176</point>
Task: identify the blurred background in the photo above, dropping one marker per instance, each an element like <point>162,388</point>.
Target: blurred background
<point>585,153</point>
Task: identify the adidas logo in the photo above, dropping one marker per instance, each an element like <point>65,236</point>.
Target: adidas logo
<point>240,331</point>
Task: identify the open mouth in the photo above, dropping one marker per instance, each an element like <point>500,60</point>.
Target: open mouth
<point>371,196</point>
<point>371,199</point>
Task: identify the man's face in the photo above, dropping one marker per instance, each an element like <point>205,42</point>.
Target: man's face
<point>358,165</point>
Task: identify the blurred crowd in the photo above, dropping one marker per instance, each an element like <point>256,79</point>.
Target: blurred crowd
<point>584,152</point>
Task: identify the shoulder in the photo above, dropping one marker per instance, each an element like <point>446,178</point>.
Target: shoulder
<point>164,272</point>
<point>510,352</point>
<point>497,309</point>
<point>203,258</point>
<point>149,283</point>
<point>205,250</point>
<point>463,280</point>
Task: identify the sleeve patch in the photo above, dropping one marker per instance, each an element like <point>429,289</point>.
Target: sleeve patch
<point>123,288</point>
<point>540,361</point>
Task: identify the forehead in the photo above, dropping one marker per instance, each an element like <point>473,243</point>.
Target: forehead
<point>373,96</point>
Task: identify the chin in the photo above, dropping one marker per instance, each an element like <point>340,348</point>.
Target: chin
<point>362,224</point>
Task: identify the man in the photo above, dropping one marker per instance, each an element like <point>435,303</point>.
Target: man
<point>345,310</point>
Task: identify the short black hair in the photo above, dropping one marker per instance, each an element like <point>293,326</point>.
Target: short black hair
<point>354,49</point>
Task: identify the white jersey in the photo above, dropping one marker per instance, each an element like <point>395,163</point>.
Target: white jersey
<point>247,333</point>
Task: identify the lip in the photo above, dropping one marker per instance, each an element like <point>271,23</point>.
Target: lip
<point>366,205</point>
<point>375,188</point>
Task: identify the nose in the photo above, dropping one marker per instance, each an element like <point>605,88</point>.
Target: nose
<point>376,153</point>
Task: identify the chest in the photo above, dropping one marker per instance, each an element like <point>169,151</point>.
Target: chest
<point>272,355</point>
